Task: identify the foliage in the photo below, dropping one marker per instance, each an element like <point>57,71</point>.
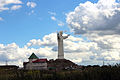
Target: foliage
<point>89,73</point>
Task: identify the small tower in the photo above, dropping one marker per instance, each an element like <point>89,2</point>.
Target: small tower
<point>33,57</point>
<point>6,62</point>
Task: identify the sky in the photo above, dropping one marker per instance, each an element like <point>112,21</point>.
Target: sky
<point>28,26</point>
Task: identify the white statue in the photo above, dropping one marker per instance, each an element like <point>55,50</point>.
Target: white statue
<point>60,44</point>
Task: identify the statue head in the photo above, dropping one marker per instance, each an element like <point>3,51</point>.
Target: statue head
<point>61,32</point>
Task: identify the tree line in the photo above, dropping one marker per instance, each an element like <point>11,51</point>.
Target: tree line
<point>88,73</point>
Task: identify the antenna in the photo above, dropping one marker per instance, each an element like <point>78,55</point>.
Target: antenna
<point>6,62</point>
<point>103,63</point>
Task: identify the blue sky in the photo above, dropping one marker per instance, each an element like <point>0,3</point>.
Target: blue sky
<point>28,26</point>
<point>20,27</point>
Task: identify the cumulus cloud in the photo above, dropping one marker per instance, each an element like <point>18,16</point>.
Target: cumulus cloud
<point>4,4</point>
<point>101,18</point>
<point>48,40</point>
<point>10,53</point>
<point>79,50</point>
<point>99,22</point>
<point>107,42</point>
<point>15,7</point>
<point>14,54</point>
<point>11,1</point>
<point>76,49</point>
<point>109,46</point>
<point>31,4</point>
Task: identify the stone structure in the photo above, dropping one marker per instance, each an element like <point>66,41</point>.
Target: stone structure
<point>60,39</point>
<point>35,63</point>
<point>61,64</point>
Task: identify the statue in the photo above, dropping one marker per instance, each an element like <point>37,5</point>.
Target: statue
<point>60,44</point>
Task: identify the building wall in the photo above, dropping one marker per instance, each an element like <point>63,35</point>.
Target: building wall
<point>36,66</point>
<point>30,60</point>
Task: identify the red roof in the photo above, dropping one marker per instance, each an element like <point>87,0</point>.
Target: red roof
<point>40,60</point>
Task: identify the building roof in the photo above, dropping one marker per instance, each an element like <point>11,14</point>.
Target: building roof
<point>33,56</point>
<point>40,60</point>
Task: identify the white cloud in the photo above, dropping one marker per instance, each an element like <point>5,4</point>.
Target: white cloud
<point>107,42</point>
<point>76,49</point>
<point>99,22</point>
<point>48,40</point>
<point>77,60</point>
<point>101,18</point>
<point>60,23</point>
<point>53,18</point>
<point>4,4</point>
<point>14,54</point>
<point>1,19</point>
<point>79,50</point>
<point>12,1</point>
<point>31,4</point>
<point>15,7</point>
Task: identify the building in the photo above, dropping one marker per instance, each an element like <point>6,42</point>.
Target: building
<point>35,63</point>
